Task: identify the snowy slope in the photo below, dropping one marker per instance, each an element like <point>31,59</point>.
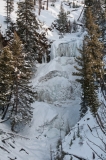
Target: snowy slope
<point>87,138</point>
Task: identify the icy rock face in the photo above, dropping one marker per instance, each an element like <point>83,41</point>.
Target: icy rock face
<point>68,49</point>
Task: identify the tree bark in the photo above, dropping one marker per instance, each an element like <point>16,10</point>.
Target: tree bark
<point>47,5</point>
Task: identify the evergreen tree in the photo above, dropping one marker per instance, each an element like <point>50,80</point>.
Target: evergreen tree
<point>42,46</point>
<point>92,97</point>
<point>28,28</point>
<point>82,62</point>
<point>91,64</point>
<point>89,2</point>
<point>94,46</point>
<point>27,25</point>
<point>16,93</point>
<point>94,55</point>
<point>62,21</point>
<point>93,101</point>
<point>89,95</point>
<point>9,8</point>
<point>6,81</point>
<point>10,31</point>
<point>23,94</point>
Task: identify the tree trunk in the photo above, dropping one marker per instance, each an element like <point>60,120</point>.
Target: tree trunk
<point>35,2</point>
<point>47,5</point>
<point>39,6</point>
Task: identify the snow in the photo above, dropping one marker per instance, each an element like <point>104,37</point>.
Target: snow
<point>80,146</point>
<point>53,110</point>
<point>58,100</point>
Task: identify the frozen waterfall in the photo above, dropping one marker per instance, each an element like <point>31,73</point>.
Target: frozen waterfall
<point>65,48</point>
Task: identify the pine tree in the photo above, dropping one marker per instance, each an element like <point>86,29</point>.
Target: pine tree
<point>94,55</point>
<point>10,31</point>
<point>28,28</point>
<point>23,94</point>
<point>27,25</point>
<point>42,46</point>
<point>93,101</point>
<point>92,97</point>
<point>89,3</point>
<point>94,46</point>
<point>62,21</point>
<point>9,8</point>
<point>16,93</point>
<point>82,72</point>
<point>86,78</point>
<point>6,80</point>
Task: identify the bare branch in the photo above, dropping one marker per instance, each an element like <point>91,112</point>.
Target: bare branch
<point>95,152</point>
<point>95,144</point>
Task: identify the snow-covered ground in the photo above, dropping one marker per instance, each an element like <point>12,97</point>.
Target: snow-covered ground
<point>57,107</point>
<point>89,136</point>
<point>57,103</point>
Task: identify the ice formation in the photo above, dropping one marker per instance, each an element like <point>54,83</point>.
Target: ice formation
<point>57,84</point>
<point>65,48</point>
